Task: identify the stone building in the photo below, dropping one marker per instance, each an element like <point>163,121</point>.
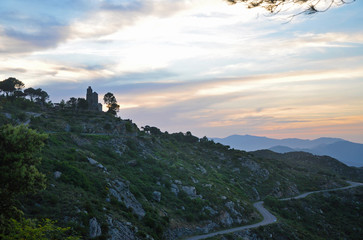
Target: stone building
<point>92,100</point>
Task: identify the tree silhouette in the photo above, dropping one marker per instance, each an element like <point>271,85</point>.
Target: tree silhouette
<point>111,103</point>
<point>31,92</point>
<point>10,85</point>
<point>306,6</point>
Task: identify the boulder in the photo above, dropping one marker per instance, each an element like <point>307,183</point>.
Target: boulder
<point>94,228</point>
<point>178,182</point>
<point>92,161</point>
<point>157,196</point>
<point>174,189</point>
<point>210,210</point>
<point>57,174</point>
<point>190,191</point>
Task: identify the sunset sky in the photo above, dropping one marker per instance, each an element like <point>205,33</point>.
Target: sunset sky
<point>195,65</point>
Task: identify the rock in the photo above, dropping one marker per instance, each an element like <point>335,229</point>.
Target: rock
<point>8,115</point>
<point>92,161</point>
<point>102,167</point>
<point>174,189</point>
<point>190,191</point>
<point>230,206</point>
<point>226,219</point>
<point>157,196</point>
<point>194,180</point>
<point>67,128</point>
<point>202,169</point>
<point>94,228</point>
<point>208,185</point>
<point>57,174</point>
<point>120,190</point>
<point>237,170</point>
<point>208,227</point>
<point>257,195</point>
<point>119,230</point>
<point>262,173</point>
<point>132,163</point>
<point>210,210</point>
<point>178,182</point>
<point>223,197</point>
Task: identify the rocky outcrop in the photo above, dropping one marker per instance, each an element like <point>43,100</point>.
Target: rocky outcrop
<point>94,228</point>
<point>120,190</point>
<point>210,210</point>
<point>94,162</point>
<point>120,230</point>
<point>237,216</point>
<point>226,219</point>
<point>262,173</point>
<point>181,232</point>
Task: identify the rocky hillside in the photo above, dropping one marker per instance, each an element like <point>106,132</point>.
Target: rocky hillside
<point>329,215</point>
<point>108,179</point>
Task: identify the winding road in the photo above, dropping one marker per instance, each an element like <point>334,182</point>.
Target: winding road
<point>269,218</point>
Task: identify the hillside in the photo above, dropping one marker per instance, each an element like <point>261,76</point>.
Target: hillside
<point>347,152</point>
<point>319,216</point>
<point>108,179</point>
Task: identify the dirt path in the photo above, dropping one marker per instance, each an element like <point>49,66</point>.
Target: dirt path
<point>268,218</point>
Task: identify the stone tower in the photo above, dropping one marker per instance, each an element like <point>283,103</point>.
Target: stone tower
<point>92,100</point>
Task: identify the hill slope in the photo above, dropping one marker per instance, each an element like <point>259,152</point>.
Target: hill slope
<point>107,179</point>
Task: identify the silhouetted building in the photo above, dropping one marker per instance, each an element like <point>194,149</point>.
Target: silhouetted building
<point>92,100</point>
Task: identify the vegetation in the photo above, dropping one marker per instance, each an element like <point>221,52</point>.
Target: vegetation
<point>275,6</point>
<point>19,149</point>
<point>87,152</point>
<point>111,103</point>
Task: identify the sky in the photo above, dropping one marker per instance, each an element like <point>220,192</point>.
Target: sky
<point>203,66</point>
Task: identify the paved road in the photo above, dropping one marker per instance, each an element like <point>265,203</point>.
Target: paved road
<point>268,218</point>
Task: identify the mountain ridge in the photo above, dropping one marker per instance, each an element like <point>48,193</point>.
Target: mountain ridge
<point>345,151</point>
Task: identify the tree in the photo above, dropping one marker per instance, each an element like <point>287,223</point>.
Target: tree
<point>62,104</point>
<point>38,95</point>
<point>307,6</point>
<point>31,92</point>
<point>82,103</point>
<point>41,96</point>
<point>19,149</point>
<point>111,103</point>
<point>72,103</point>
<point>10,85</point>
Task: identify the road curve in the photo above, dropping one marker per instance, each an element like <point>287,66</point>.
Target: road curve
<point>268,218</point>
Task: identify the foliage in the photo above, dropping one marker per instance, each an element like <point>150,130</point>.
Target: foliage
<point>111,103</point>
<point>333,215</point>
<point>11,84</point>
<point>19,151</point>
<point>38,95</point>
<point>82,103</point>
<point>30,229</point>
<point>275,6</point>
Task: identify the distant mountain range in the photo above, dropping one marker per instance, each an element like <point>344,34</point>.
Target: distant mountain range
<point>347,152</point>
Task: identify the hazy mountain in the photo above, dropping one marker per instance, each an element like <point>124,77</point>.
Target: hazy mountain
<point>347,152</point>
